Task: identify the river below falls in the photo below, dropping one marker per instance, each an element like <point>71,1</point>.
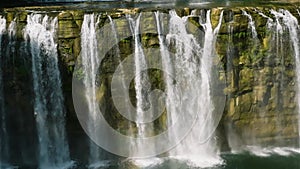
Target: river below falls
<point>245,160</point>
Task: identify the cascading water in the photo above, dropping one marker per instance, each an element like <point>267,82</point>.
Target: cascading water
<point>251,24</point>
<point>284,22</point>
<point>188,82</point>
<point>90,61</point>
<point>142,85</point>
<point>4,152</point>
<point>197,93</point>
<point>188,67</point>
<point>11,31</point>
<point>280,46</point>
<point>116,53</point>
<point>233,142</point>
<point>173,98</point>
<point>291,23</point>
<point>49,112</point>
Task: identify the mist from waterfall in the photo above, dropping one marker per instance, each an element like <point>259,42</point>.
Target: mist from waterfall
<point>49,111</point>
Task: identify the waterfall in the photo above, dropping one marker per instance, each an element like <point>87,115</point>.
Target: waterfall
<point>124,89</point>
<point>270,59</point>
<point>285,21</point>
<point>280,42</point>
<point>141,78</point>
<point>291,23</point>
<point>4,152</point>
<point>90,62</point>
<point>232,138</point>
<point>172,95</point>
<point>49,112</point>
<point>142,88</point>
<point>11,31</point>
<point>251,24</point>
<point>193,82</point>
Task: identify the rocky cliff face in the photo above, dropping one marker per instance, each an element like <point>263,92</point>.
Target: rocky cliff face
<point>258,71</point>
<point>261,77</point>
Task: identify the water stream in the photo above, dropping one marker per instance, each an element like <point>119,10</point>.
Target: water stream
<point>49,111</point>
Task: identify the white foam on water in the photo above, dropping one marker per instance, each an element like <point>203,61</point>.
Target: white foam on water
<point>269,151</point>
<point>147,162</point>
<point>281,151</point>
<point>295,150</point>
<point>197,161</point>
<point>258,151</point>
